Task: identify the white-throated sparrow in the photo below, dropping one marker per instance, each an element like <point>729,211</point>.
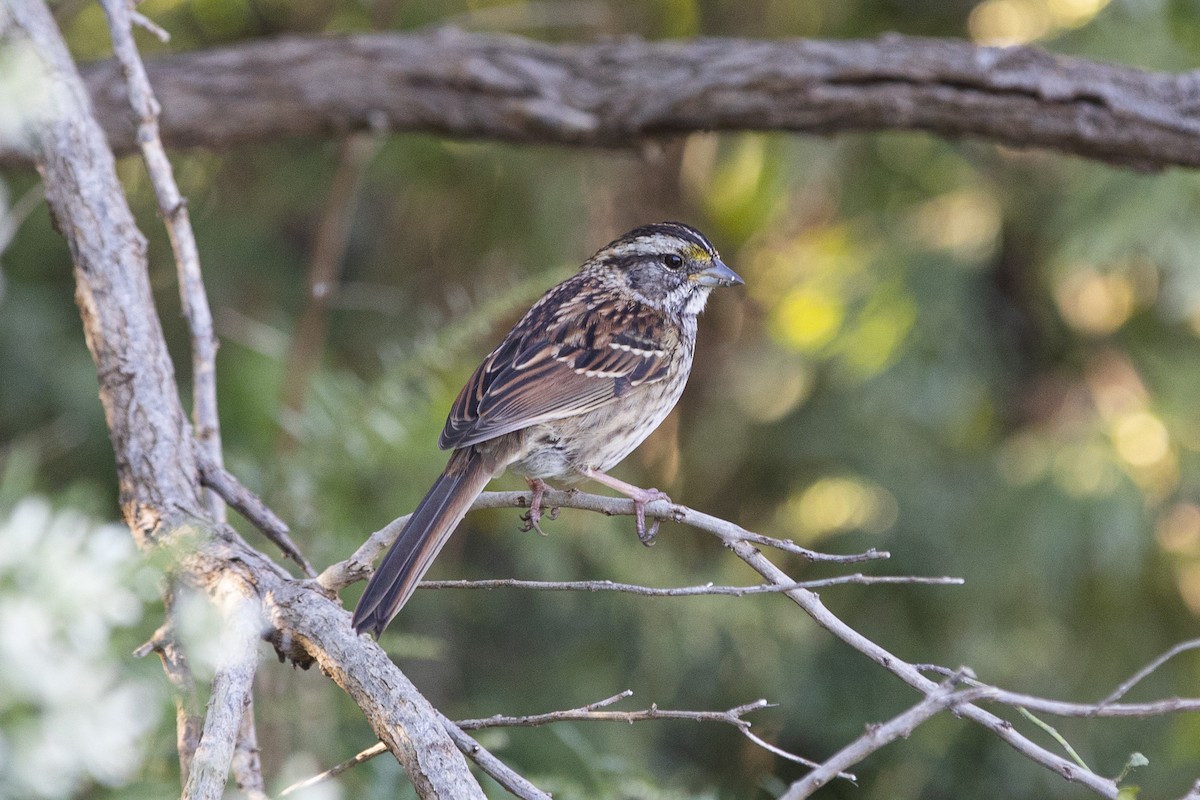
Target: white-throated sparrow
<point>586,375</point>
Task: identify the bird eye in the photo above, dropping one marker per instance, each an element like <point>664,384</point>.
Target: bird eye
<point>672,261</point>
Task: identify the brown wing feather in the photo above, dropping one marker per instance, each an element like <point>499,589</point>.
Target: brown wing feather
<point>571,353</point>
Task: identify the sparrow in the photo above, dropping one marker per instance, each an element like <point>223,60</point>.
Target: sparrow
<point>579,382</point>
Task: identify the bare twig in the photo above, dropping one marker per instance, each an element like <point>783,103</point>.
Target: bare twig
<point>250,506</point>
<point>246,765</point>
<point>812,605</point>
<point>17,213</point>
<point>590,714</point>
<point>587,713</point>
<point>877,736</point>
<point>230,695</point>
<point>144,22</point>
<point>500,772</point>
<point>685,591</point>
<point>377,749</point>
<point>358,566</point>
<point>188,721</point>
<point>173,208</point>
<point>1145,671</point>
<point>994,694</point>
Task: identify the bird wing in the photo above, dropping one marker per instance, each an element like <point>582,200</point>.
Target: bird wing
<point>573,352</point>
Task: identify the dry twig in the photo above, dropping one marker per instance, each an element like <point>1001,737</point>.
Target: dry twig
<point>173,208</point>
<point>1145,671</point>
<point>687,591</point>
<point>250,506</point>
<point>229,697</point>
<point>877,736</point>
<point>587,713</point>
<point>188,721</point>
<point>359,565</point>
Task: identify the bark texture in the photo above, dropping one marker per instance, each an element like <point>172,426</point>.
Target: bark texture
<point>155,448</point>
<point>618,92</point>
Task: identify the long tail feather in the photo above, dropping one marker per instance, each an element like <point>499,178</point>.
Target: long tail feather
<point>431,524</point>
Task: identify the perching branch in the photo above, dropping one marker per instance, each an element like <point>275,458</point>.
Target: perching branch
<point>359,565</point>
<point>622,91</point>
<point>687,591</point>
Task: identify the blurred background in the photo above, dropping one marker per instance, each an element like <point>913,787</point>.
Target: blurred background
<point>982,360</point>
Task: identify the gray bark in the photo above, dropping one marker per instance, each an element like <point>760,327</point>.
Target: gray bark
<point>619,92</point>
<point>154,446</point>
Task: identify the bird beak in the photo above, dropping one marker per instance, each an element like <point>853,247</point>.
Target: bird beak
<point>717,274</point>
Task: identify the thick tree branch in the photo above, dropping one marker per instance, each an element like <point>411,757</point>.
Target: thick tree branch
<point>153,443</point>
<point>618,92</point>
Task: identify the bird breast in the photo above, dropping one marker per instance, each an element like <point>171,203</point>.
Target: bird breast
<point>601,438</point>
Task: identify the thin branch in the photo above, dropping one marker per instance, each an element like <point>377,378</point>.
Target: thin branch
<point>1103,709</point>
<point>624,90</point>
<point>685,591</point>
<point>812,605</point>
<point>359,565</point>
<point>377,749</point>
<point>877,736</point>
<point>16,214</point>
<point>731,717</point>
<point>514,783</point>
<point>147,24</point>
<point>173,208</point>
<point>586,713</point>
<point>229,697</point>
<point>246,765</point>
<point>250,506</point>
<point>188,721</point>
<point>1145,671</point>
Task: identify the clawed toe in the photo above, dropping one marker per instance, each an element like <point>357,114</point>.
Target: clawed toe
<point>534,515</point>
<point>639,507</point>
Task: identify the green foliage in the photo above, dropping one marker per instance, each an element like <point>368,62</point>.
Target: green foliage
<point>982,360</point>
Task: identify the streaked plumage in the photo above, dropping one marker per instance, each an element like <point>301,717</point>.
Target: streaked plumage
<point>579,382</point>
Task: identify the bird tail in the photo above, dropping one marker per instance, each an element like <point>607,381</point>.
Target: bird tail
<point>427,530</point>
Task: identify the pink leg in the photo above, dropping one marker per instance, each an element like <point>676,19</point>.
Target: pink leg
<point>640,498</point>
<point>538,487</point>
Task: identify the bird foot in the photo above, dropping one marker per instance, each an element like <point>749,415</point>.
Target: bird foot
<point>534,515</point>
<point>645,497</point>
